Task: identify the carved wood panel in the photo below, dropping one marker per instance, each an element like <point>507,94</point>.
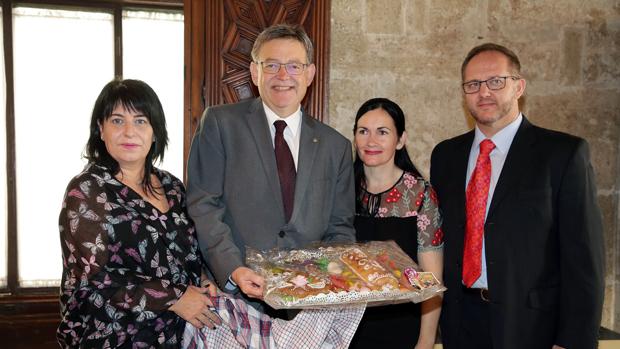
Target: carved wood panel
<point>218,44</point>
<point>243,21</point>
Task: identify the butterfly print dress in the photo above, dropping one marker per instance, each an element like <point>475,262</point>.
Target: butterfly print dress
<point>124,263</point>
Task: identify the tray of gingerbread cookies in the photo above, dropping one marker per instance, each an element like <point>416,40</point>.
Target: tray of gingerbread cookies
<point>375,272</point>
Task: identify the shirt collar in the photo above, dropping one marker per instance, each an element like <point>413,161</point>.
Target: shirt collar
<point>293,121</point>
<point>503,138</point>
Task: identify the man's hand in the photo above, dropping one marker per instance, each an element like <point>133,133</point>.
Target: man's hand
<point>208,284</point>
<point>193,307</point>
<point>558,347</point>
<point>249,282</point>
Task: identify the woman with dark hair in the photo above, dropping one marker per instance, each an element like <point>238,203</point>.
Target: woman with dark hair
<point>132,272</point>
<point>394,202</point>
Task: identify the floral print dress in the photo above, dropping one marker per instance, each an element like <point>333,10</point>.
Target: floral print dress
<point>410,197</point>
<point>407,213</point>
<point>124,263</point>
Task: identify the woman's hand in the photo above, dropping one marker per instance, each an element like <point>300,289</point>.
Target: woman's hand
<point>430,261</point>
<point>194,307</point>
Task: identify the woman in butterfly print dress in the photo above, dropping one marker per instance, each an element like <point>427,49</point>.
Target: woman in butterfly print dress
<point>394,202</point>
<point>131,266</point>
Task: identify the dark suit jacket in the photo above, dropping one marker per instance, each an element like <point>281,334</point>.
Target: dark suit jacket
<point>233,190</point>
<point>544,243</point>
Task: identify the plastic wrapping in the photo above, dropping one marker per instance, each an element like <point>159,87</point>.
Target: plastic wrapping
<point>375,272</point>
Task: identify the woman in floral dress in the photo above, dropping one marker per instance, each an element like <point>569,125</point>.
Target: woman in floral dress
<point>131,265</point>
<point>394,202</point>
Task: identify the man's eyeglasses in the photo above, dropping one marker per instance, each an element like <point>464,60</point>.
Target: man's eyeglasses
<point>495,83</point>
<point>291,68</point>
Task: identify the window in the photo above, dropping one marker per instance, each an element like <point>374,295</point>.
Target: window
<point>62,57</point>
<point>161,66</point>
<point>53,100</point>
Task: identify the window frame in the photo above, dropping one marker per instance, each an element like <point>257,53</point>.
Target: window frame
<point>43,301</point>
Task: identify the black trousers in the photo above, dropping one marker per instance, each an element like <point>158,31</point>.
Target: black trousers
<point>475,329</point>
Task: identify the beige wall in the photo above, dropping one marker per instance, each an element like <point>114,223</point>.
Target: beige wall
<point>411,50</point>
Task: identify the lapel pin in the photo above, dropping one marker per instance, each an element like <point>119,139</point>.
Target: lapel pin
<point>315,140</point>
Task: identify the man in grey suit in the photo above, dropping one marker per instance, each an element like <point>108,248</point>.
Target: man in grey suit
<point>235,189</point>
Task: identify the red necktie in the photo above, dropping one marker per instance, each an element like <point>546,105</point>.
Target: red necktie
<point>475,209</point>
<point>286,168</point>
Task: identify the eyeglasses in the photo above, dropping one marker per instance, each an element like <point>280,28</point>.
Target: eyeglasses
<point>495,83</point>
<point>291,68</point>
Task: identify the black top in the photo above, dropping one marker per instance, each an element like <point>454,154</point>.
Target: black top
<point>406,213</point>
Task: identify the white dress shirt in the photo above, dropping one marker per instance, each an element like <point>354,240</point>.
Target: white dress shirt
<point>291,133</point>
<point>502,140</point>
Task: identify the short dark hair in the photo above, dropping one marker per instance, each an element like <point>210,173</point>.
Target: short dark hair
<point>401,157</point>
<point>137,96</point>
<point>489,46</point>
<point>283,31</point>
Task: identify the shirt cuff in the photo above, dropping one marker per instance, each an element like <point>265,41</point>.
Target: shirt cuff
<point>231,287</point>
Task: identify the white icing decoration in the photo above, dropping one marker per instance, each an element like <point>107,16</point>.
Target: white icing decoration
<point>317,285</point>
<point>299,281</point>
<point>334,268</point>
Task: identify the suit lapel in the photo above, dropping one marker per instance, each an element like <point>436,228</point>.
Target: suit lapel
<point>518,157</point>
<point>308,146</point>
<point>461,159</point>
<point>257,123</point>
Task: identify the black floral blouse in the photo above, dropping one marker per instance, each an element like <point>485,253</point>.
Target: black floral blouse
<point>410,196</point>
<point>124,263</point>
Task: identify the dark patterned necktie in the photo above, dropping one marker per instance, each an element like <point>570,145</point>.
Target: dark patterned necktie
<point>475,209</point>
<point>286,168</point>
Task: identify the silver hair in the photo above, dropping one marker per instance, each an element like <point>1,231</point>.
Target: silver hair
<point>283,31</point>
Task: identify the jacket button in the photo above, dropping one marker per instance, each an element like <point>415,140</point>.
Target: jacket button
<point>281,234</point>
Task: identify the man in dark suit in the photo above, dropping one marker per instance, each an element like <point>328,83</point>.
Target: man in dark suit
<point>262,173</point>
<point>523,236</point>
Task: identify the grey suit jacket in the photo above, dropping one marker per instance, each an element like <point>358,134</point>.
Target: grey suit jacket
<point>233,190</point>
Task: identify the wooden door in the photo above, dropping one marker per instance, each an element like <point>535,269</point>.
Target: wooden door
<point>219,35</point>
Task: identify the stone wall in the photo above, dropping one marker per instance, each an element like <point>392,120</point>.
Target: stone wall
<point>411,50</point>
